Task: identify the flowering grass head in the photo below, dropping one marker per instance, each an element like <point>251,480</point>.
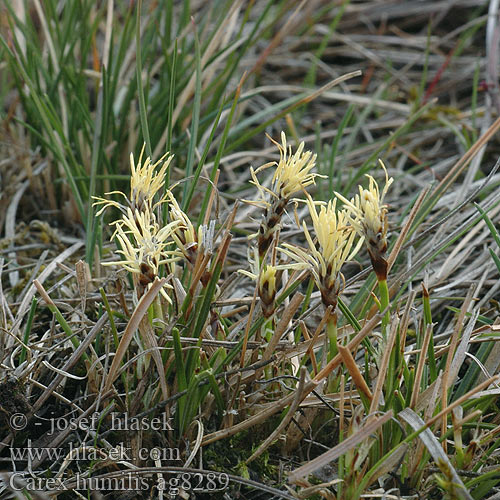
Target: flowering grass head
<point>292,174</point>
<point>186,237</point>
<point>266,278</point>
<point>143,245</point>
<point>143,242</point>
<point>333,246</point>
<point>368,215</point>
<point>145,182</point>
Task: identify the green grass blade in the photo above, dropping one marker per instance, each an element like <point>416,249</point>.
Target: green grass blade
<point>27,329</point>
<point>218,156</point>
<point>140,87</point>
<point>194,124</point>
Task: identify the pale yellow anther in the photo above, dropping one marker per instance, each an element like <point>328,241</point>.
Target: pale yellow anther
<point>268,279</point>
<point>145,180</point>
<point>292,173</point>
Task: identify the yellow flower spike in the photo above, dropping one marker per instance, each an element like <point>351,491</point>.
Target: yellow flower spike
<point>325,258</point>
<point>335,238</point>
<point>143,245</point>
<point>146,232</point>
<point>293,172</point>
<point>267,290</point>
<point>266,280</point>
<point>145,181</point>
<point>368,215</point>
<point>185,235</point>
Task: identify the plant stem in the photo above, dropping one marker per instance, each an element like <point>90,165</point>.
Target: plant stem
<point>331,330</point>
<point>269,328</point>
<point>384,304</point>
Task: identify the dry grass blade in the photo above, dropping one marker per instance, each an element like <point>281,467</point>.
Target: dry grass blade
<point>333,83</point>
<point>247,329</point>
<point>434,448</point>
<point>466,158</point>
<point>463,398</point>
<point>353,370</point>
<point>406,229</point>
<point>461,350</point>
<point>133,324</point>
<point>197,443</point>
<point>455,359</point>
<point>342,448</point>
<point>278,37</point>
<point>427,402</point>
<point>150,340</point>
<point>384,364</point>
<point>10,226</point>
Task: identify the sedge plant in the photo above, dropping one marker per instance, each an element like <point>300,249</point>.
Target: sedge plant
<point>368,215</point>
<point>325,258</point>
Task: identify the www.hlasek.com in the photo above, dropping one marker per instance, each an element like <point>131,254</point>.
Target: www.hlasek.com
<point>90,453</point>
